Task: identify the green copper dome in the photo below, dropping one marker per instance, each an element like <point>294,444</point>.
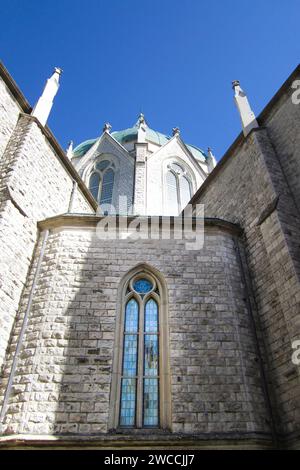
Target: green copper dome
<point>130,134</point>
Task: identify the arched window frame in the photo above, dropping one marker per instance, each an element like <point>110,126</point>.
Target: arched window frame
<point>124,296</point>
<point>185,172</point>
<point>93,169</point>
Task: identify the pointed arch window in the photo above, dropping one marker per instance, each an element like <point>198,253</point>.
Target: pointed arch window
<point>178,188</point>
<point>140,390</point>
<point>101,181</point>
<point>140,381</point>
<point>140,394</point>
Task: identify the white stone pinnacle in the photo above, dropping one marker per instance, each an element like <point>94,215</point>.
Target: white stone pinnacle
<point>249,121</point>
<point>69,151</point>
<point>211,160</point>
<point>43,106</point>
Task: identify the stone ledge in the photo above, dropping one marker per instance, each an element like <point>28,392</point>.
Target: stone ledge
<point>231,440</point>
<point>90,221</point>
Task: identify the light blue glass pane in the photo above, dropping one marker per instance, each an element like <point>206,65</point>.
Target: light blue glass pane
<point>107,187</point>
<point>185,192</point>
<point>94,184</point>
<point>151,355</point>
<point>130,355</point>
<point>142,286</point>
<point>131,316</point>
<point>102,165</point>
<point>151,316</point>
<point>177,168</point>
<point>172,197</point>
<point>151,402</point>
<point>128,396</point>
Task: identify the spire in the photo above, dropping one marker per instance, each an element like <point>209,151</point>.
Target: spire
<point>211,160</point>
<point>69,150</point>
<point>43,106</point>
<point>249,121</point>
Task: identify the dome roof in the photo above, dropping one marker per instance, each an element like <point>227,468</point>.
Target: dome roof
<point>128,135</point>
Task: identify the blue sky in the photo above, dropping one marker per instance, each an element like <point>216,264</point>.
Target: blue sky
<point>172,59</point>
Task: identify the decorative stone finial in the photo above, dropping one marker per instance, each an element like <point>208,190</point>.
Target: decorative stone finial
<point>235,83</point>
<point>69,151</point>
<point>176,131</point>
<point>43,106</point>
<point>141,119</point>
<point>107,127</point>
<point>249,121</point>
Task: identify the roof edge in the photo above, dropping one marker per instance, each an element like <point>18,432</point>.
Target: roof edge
<point>66,163</point>
<point>261,118</point>
<point>14,89</point>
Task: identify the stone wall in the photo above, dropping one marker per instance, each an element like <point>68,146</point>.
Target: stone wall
<point>33,185</point>
<point>250,188</point>
<point>63,375</point>
<point>283,128</point>
<point>9,113</point>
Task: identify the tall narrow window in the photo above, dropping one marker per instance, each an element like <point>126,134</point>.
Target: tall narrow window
<point>140,381</point>
<point>101,181</point>
<point>185,191</point>
<point>178,189</point>
<point>107,187</point>
<point>151,377</point>
<point>94,184</point>
<point>129,374</point>
<point>172,193</point>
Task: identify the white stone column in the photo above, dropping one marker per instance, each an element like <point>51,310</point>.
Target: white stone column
<point>43,106</point>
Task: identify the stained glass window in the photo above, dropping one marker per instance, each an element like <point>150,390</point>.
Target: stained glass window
<point>151,364</point>
<point>129,368</point>
<point>151,402</point>
<point>142,286</point>
<point>127,414</point>
<point>139,404</point>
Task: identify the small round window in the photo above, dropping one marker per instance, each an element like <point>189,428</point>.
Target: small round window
<point>142,286</point>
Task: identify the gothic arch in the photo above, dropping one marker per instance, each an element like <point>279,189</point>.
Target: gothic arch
<point>187,174</point>
<point>114,166</point>
<point>147,271</point>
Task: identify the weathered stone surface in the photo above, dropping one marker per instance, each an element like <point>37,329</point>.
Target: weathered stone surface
<point>233,306</point>
<point>264,172</point>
